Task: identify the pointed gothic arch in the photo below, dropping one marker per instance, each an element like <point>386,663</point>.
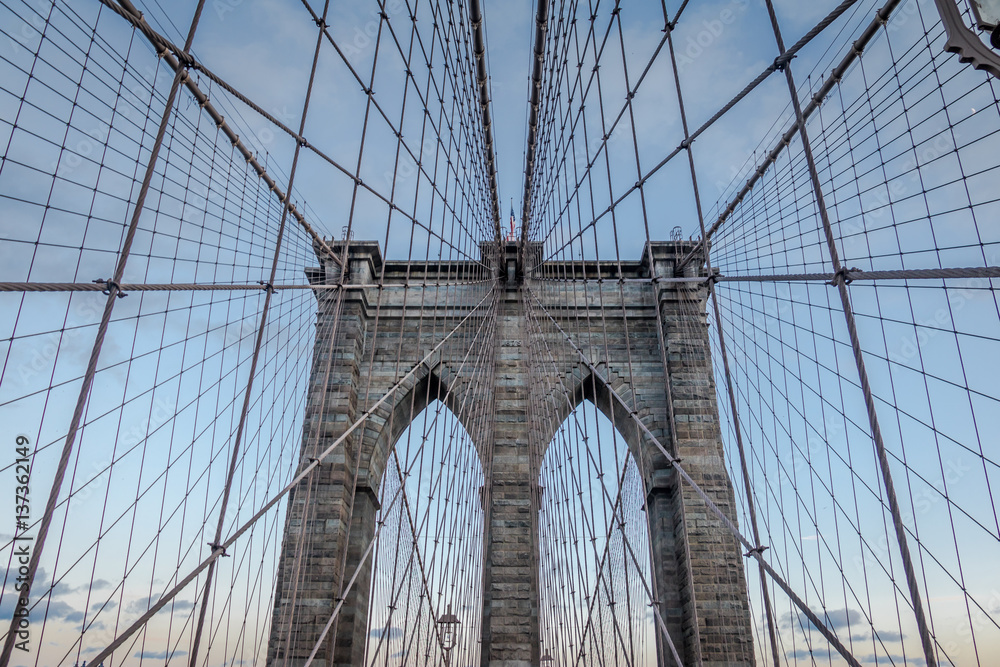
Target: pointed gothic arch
<point>590,463</point>
<point>429,556</point>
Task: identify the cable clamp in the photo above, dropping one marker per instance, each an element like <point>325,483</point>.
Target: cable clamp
<point>313,459</point>
<point>687,143</point>
<point>218,547</point>
<point>756,551</point>
<point>844,274</point>
<point>673,461</point>
<point>110,285</point>
<point>781,62</point>
<point>714,278</point>
<point>268,287</point>
<point>321,22</point>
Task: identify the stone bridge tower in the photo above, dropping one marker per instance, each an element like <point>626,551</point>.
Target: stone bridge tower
<point>697,564</point>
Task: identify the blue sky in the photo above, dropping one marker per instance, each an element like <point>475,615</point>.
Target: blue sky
<point>910,180</point>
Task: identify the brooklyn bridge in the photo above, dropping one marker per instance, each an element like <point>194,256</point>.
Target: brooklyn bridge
<point>500,332</point>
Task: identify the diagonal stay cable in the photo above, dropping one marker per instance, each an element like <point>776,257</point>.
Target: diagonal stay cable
<point>616,509</point>
<point>774,67</point>
<point>857,48</point>
<point>88,381</point>
<point>265,309</point>
<point>306,473</point>
<point>370,94</point>
<point>840,282</point>
<point>881,17</point>
<point>180,60</point>
<point>170,53</point>
<point>752,550</point>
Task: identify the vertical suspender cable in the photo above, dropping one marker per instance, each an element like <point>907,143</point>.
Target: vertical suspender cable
<point>476,15</point>
<point>541,27</point>
<point>841,281</point>
<point>114,292</point>
<point>747,486</point>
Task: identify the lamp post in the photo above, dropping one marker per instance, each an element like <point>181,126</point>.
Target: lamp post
<point>448,633</point>
<point>547,660</point>
<point>966,43</point>
<point>987,13</point>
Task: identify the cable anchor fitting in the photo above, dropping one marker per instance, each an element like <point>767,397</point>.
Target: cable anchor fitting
<point>756,551</point>
<point>268,287</point>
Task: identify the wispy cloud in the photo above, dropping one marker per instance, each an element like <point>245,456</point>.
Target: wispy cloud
<point>389,632</point>
<point>158,655</point>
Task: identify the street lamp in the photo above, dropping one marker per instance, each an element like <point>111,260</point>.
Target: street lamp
<point>448,629</point>
<point>966,43</point>
<point>547,660</point>
<point>987,13</point>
